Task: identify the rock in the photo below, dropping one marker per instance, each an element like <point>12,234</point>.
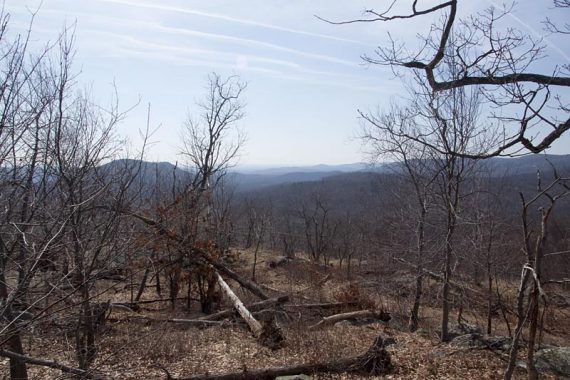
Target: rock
<point>294,377</point>
<point>477,340</point>
<point>467,340</point>
<point>502,343</point>
<point>463,329</point>
<point>555,359</point>
<point>278,261</point>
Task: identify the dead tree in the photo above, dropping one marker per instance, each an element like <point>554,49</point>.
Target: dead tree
<point>530,293</point>
<point>382,135</point>
<point>439,125</point>
<point>361,314</point>
<point>267,333</point>
<point>319,227</point>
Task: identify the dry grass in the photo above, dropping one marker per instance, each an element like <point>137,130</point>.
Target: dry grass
<point>133,348</point>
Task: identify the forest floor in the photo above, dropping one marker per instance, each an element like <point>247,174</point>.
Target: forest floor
<point>135,348</point>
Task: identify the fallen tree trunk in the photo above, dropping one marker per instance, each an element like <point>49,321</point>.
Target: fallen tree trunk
<point>253,324</point>
<point>200,254</point>
<point>376,361</point>
<point>326,305</point>
<point>53,364</point>
<point>361,314</point>
<point>197,322</point>
<point>272,302</point>
<point>269,334</point>
<point>135,306</point>
<point>249,285</point>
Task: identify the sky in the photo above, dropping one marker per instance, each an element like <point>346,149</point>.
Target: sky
<point>305,78</point>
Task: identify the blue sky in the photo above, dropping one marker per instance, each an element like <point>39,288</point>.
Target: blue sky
<point>305,77</point>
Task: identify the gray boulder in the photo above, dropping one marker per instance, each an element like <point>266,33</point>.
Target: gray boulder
<point>463,329</point>
<point>467,340</point>
<point>556,359</point>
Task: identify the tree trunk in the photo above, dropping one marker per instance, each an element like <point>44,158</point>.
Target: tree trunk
<point>533,317</point>
<point>253,324</point>
<point>414,313</point>
<point>18,370</point>
<point>521,317</point>
<point>445,305</point>
<point>143,283</point>
<point>489,300</point>
<point>249,285</point>
<point>361,314</point>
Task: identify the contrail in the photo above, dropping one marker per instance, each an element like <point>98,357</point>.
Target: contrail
<point>534,31</point>
<point>231,19</point>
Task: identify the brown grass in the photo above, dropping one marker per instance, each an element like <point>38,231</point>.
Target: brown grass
<point>133,348</point>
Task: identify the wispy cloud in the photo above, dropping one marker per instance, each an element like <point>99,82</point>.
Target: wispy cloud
<point>218,16</point>
<point>184,56</point>
<point>223,37</point>
<point>532,30</point>
<point>148,25</point>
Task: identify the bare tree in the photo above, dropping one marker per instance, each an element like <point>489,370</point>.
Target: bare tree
<point>184,223</point>
<point>212,139</point>
<point>28,88</point>
<point>535,240</point>
<point>58,231</point>
<point>438,126</point>
<point>261,218</point>
<point>498,60</point>
<point>382,134</point>
<point>319,227</point>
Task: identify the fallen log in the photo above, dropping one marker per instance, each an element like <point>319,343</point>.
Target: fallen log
<point>268,334</point>
<point>249,285</point>
<point>272,302</point>
<point>198,253</point>
<point>253,324</point>
<point>376,361</point>
<point>325,305</point>
<point>136,304</point>
<point>83,374</point>
<point>196,322</point>
<point>298,292</point>
<point>361,314</point>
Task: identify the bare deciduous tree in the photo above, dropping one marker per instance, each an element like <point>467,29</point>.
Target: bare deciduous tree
<point>530,293</point>
<point>497,59</point>
<point>212,139</point>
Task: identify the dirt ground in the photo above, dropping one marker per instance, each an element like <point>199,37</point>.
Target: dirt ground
<point>134,348</point>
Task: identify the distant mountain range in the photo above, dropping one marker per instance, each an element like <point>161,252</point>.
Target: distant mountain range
<point>248,179</point>
<point>496,167</point>
<point>322,168</point>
